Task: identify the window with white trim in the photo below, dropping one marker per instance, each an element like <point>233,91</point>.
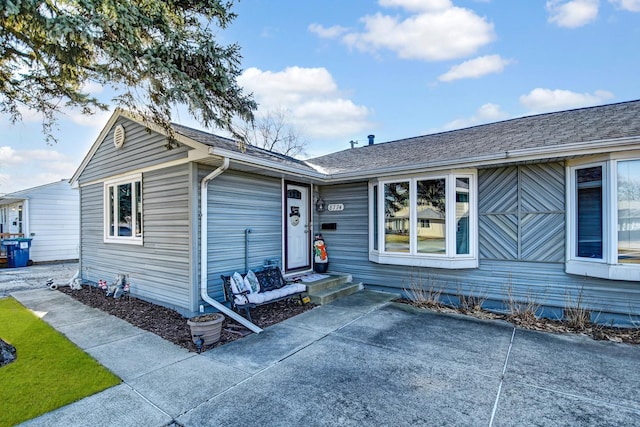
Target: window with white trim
<point>123,210</point>
<point>604,219</point>
<point>427,221</point>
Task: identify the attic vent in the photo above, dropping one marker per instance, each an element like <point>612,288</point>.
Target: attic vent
<point>118,136</point>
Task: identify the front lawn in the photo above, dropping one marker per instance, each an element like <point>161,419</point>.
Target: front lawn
<point>49,372</point>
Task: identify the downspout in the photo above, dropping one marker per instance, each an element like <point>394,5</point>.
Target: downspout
<point>247,231</point>
<point>204,243</point>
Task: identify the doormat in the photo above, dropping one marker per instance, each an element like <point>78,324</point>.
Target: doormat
<point>312,277</point>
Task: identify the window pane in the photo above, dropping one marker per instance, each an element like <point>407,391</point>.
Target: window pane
<point>431,224</point>
<point>124,210</point>
<point>629,212</point>
<point>111,210</point>
<point>589,212</point>
<point>138,209</point>
<point>462,216</point>
<point>375,217</point>
<point>396,222</point>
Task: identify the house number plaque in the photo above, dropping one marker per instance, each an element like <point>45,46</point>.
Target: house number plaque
<point>335,207</point>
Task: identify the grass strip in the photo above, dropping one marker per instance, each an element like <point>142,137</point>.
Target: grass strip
<point>49,371</point>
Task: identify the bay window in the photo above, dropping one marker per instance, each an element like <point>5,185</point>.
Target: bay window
<point>629,212</point>
<point>424,221</point>
<point>604,219</point>
<point>123,210</point>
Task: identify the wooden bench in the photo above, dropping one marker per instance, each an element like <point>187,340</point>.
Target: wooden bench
<point>273,287</point>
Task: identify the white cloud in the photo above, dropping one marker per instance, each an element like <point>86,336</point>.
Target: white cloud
<point>311,97</point>
<point>331,118</point>
<point>542,100</point>
<point>28,115</point>
<point>269,32</point>
<point>417,5</point>
<point>327,32</point>
<point>487,113</point>
<point>475,68</point>
<point>630,5</point>
<point>572,14</point>
<point>435,30</point>
<point>92,88</point>
<point>9,156</point>
<point>97,120</point>
<point>293,84</point>
<point>75,115</point>
<point>22,169</point>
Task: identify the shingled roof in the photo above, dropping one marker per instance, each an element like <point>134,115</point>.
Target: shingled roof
<point>216,141</point>
<point>544,133</point>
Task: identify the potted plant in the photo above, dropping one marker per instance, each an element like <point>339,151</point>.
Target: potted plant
<point>206,328</point>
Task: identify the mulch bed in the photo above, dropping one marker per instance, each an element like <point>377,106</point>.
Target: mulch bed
<point>526,320</point>
<point>171,325</point>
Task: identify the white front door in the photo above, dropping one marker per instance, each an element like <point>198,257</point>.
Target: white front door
<point>297,227</point>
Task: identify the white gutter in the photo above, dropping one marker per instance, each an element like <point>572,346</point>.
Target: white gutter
<point>264,163</point>
<point>203,250</point>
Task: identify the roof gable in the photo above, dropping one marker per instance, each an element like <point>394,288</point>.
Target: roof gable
<point>105,155</point>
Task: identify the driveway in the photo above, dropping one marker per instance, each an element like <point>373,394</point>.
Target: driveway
<point>397,365</point>
<point>361,360</point>
<point>35,276</point>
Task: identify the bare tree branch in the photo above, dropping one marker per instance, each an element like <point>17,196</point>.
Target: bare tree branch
<point>273,132</point>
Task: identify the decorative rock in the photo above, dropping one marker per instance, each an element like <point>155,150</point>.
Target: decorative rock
<point>7,353</point>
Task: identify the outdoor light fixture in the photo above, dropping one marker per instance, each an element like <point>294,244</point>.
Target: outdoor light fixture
<point>320,204</point>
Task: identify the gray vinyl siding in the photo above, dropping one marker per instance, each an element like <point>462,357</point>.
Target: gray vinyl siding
<point>237,202</point>
<point>160,270</point>
<point>141,149</point>
<point>527,261</point>
<point>347,246</point>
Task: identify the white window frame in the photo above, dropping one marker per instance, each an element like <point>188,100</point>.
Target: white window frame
<point>449,260</point>
<point>608,267</point>
<point>114,183</point>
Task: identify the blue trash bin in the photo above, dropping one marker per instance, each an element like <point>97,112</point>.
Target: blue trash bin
<point>17,251</point>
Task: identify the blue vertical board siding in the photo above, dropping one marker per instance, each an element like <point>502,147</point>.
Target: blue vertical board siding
<point>498,213</point>
<point>522,213</point>
<point>500,237</point>
<point>523,253</point>
<point>239,202</point>
<point>542,187</point>
<point>542,212</point>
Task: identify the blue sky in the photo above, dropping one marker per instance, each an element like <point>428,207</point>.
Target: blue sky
<point>394,68</point>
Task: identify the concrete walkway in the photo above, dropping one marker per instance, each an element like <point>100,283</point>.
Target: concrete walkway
<point>361,360</point>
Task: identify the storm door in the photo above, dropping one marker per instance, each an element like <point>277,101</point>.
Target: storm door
<point>297,227</point>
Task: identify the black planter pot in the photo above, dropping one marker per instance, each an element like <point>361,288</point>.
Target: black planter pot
<point>321,267</point>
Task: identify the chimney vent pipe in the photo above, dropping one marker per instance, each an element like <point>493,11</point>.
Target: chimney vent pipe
<point>371,138</point>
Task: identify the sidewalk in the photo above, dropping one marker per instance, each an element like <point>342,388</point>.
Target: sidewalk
<point>358,361</point>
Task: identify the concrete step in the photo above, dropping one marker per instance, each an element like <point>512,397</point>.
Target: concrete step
<point>327,295</point>
<point>335,279</point>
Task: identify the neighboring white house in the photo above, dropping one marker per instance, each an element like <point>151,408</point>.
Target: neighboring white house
<point>49,214</point>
